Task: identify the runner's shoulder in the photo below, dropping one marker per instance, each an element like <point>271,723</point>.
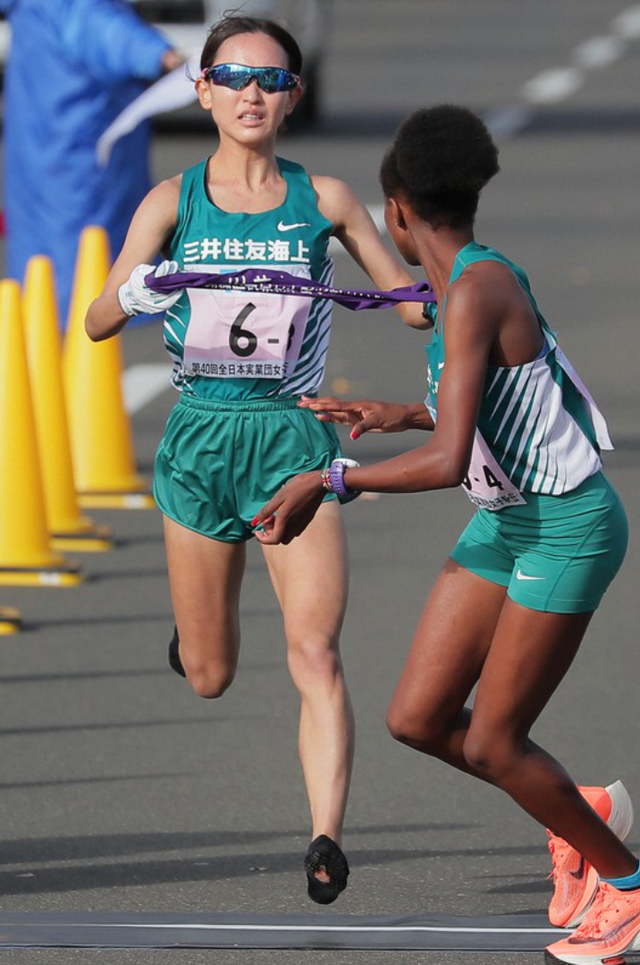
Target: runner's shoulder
<point>161,203</point>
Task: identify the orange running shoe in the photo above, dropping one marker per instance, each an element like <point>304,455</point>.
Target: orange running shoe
<point>575,881</point>
<point>610,928</point>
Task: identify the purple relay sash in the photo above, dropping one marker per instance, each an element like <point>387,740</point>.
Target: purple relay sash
<point>282,283</point>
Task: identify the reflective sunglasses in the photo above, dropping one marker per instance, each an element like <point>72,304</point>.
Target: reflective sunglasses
<point>272,80</point>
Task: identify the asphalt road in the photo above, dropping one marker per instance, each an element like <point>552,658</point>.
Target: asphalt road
<point>123,793</point>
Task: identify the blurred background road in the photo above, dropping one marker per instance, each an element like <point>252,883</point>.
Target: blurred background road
<point>120,790</point>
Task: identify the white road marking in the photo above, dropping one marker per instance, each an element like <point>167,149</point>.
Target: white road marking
<point>367,929</point>
<point>556,84</point>
<point>552,86</point>
<point>141,384</point>
<point>627,23</point>
<point>599,52</point>
<point>105,931</point>
<point>505,122</point>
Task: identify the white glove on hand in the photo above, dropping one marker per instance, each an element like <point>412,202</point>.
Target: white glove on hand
<point>136,298</point>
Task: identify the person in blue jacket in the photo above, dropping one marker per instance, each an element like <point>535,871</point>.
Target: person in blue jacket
<point>73,66</point>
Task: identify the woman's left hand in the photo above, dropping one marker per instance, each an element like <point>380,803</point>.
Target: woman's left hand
<point>291,510</point>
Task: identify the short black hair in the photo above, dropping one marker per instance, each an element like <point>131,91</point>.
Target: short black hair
<point>440,160</point>
<point>233,24</point>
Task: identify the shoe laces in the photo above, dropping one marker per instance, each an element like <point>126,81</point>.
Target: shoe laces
<point>561,853</point>
<point>604,908</point>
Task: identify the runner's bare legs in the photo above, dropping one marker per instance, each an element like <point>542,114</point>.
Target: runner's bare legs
<point>470,631</point>
<point>310,579</point>
<point>205,576</point>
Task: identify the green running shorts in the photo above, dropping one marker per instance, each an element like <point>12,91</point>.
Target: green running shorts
<point>555,553</point>
<point>218,463</point>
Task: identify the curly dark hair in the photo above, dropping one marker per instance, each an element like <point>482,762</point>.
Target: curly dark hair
<point>440,160</point>
<point>233,24</point>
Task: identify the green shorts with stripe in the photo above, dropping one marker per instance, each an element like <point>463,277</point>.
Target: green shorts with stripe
<point>218,463</point>
<point>556,553</point>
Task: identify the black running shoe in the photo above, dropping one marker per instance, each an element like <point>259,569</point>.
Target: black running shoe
<point>324,855</point>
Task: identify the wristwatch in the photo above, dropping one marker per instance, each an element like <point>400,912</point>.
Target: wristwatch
<point>333,479</point>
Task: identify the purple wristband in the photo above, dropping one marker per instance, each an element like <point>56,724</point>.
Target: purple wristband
<point>336,478</point>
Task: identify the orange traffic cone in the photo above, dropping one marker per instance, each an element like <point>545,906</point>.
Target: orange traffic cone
<point>26,557</point>
<point>69,529</point>
<point>10,620</point>
<point>101,438</point>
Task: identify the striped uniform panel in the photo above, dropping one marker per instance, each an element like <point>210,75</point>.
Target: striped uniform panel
<point>309,370</point>
<point>530,429</point>
<point>174,331</point>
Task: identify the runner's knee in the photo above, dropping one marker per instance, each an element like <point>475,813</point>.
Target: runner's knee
<point>208,684</point>
<point>209,679</point>
<point>416,730</point>
<point>490,753</point>
<point>312,658</point>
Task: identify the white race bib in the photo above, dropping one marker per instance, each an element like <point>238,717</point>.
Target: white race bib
<point>486,485</point>
<point>235,334</point>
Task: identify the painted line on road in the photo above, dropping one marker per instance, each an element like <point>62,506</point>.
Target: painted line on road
<point>141,384</point>
<point>599,52</point>
<point>506,122</point>
<point>369,929</point>
<point>556,84</point>
<point>627,23</point>
<point>552,86</point>
<point>110,930</point>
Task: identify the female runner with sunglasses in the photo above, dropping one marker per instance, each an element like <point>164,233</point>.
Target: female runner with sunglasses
<point>237,434</point>
<point>514,425</point>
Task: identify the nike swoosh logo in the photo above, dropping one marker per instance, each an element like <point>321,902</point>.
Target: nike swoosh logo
<point>616,930</point>
<point>289,227</point>
<point>440,365</point>
<point>522,576</point>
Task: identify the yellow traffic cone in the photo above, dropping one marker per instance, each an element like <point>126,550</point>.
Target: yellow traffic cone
<point>10,620</point>
<point>68,528</point>
<point>101,438</point>
<point>26,557</point>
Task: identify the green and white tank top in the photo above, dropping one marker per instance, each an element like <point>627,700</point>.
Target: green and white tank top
<point>539,430</point>
<point>235,346</point>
